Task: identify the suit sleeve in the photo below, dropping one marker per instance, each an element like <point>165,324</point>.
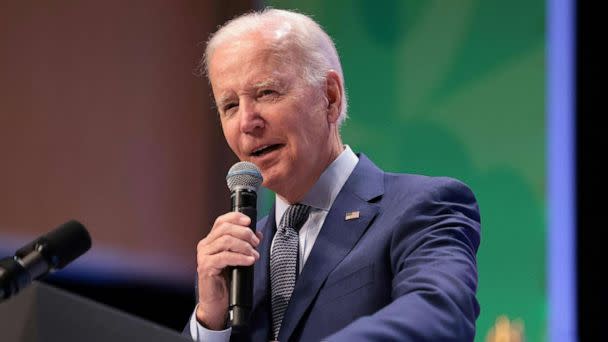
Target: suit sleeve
<point>433,258</point>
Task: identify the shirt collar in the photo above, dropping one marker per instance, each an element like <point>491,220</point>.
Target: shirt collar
<point>326,189</point>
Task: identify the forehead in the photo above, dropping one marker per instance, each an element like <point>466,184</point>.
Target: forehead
<point>247,61</point>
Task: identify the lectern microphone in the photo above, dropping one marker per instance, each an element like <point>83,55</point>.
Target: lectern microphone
<point>46,254</point>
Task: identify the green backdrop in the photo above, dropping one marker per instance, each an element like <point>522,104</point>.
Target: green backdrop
<point>456,88</point>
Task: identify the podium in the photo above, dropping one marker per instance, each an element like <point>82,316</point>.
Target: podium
<point>42,313</point>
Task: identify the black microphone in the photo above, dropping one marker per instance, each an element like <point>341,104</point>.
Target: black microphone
<point>244,180</point>
<point>48,253</point>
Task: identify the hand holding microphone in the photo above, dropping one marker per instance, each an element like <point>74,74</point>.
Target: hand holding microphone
<point>225,257</point>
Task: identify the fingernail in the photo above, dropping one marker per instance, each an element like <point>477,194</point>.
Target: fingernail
<point>244,220</point>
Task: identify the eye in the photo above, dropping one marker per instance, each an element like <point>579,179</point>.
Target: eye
<point>228,106</point>
<point>267,93</point>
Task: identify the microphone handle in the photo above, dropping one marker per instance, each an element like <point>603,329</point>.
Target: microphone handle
<point>13,278</point>
<point>17,273</point>
<point>241,286</point>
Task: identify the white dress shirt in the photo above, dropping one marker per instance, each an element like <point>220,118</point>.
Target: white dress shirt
<point>320,198</point>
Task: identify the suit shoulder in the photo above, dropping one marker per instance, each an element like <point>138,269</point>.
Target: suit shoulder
<point>420,186</point>
<point>426,200</point>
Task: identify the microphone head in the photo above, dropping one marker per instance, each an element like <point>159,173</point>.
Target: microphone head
<point>244,175</point>
<point>60,246</point>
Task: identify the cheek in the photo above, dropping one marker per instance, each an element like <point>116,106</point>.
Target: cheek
<point>313,135</point>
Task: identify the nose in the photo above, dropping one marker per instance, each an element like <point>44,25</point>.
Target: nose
<point>251,118</point>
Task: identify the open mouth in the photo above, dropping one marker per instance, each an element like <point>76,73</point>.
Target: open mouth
<point>265,150</point>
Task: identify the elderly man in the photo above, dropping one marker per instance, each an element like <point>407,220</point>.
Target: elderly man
<point>380,256</point>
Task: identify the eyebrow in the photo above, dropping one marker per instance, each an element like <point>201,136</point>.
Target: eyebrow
<point>267,83</point>
<point>223,99</point>
<point>262,84</point>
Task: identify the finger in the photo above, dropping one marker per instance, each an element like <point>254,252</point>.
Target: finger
<point>238,231</point>
<point>229,243</point>
<point>213,265</point>
<point>232,217</point>
<point>236,218</point>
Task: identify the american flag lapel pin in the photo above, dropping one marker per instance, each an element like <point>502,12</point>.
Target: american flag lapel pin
<point>351,215</point>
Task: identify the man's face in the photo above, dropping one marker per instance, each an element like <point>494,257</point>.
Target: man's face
<point>270,116</point>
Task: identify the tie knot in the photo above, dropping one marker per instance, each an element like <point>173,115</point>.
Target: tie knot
<point>295,216</point>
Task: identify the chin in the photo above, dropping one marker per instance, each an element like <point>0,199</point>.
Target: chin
<point>272,181</point>
<point>269,182</point>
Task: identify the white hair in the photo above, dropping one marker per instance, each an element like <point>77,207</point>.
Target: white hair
<point>314,48</point>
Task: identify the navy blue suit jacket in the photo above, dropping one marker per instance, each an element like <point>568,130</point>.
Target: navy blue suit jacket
<point>405,270</point>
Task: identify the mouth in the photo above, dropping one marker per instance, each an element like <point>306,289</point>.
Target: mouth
<point>263,150</point>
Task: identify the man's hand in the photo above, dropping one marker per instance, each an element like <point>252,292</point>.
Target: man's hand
<point>229,243</point>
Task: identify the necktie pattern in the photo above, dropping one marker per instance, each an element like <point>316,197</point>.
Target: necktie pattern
<point>284,261</point>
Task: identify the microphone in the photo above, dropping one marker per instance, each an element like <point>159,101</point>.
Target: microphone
<point>48,253</point>
<point>244,180</point>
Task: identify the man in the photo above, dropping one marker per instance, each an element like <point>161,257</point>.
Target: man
<point>379,256</point>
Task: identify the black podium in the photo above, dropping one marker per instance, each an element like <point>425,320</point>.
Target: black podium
<point>42,313</point>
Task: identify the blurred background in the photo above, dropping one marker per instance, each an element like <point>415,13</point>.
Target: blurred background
<point>103,120</point>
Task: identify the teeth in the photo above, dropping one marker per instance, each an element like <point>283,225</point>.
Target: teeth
<point>260,149</point>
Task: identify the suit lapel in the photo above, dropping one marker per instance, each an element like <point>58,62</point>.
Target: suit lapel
<point>336,239</point>
<point>260,314</point>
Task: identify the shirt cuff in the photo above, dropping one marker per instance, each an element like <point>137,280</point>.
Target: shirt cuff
<point>202,334</point>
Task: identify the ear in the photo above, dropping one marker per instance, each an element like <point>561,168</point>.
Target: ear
<point>333,93</point>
